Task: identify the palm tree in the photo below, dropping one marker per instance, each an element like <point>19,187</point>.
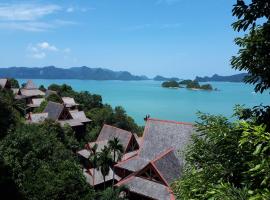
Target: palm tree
<point>93,160</point>
<point>117,149</point>
<point>104,162</point>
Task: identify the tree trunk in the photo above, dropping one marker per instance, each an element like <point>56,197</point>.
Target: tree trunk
<point>113,167</point>
<point>104,185</point>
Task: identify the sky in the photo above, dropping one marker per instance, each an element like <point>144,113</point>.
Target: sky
<point>180,38</point>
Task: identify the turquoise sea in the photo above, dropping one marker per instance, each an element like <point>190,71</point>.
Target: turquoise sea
<point>148,97</point>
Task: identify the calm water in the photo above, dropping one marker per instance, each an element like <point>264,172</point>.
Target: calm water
<point>148,97</point>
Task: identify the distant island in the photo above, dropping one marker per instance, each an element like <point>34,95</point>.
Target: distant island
<point>162,78</point>
<point>189,84</point>
<point>216,78</point>
<point>170,84</point>
<point>83,73</point>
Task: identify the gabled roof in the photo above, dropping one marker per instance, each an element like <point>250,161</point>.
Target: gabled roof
<point>70,122</point>
<point>98,176</point>
<point>69,101</point>
<point>36,102</point>
<point>38,117</point>
<point>168,166</point>
<point>84,153</point>
<point>3,82</point>
<point>132,164</point>
<point>54,110</point>
<point>147,188</point>
<point>30,85</point>
<point>31,92</point>
<point>160,135</point>
<point>79,115</point>
<point>109,132</point>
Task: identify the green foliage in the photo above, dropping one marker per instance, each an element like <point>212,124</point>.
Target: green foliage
<point>170,84</point>
<point>112,194</point>
<point>8,189</point>
<point>41,108</point>
<point>63,90</point>
<point>104,162</point>
<point>253,55</point>
<point>42,88</point>
<point>54,98</point>
<point>88,101</point>
<point>8,114</point>
<point>226,161</point>
<point>42,166</point>
<point>206,87</point>
<point>194,84</point>
<point>185,82</point>
<point>14,83</point>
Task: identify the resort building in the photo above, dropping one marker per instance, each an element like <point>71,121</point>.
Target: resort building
<point>70,103</point>
<point>59,113</point>
<point>28,92</point>
<point>5,83</point>
<point>150,164</point>
<point>107,133</point>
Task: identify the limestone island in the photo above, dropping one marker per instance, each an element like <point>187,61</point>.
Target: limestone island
<point>194,85</point>
<point>171,84</point>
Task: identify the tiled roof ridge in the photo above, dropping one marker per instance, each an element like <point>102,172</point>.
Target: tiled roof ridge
<point>161,155</point>
<point>169,121</point>
<point>118,128</point>
<point>128,159</point>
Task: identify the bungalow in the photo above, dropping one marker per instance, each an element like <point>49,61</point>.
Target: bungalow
<point>58,112</point>
<point>35,103</point>
<point>149,174</point>
<point>70,103</point>
<point>5,83</point>
<point>28,92</point>
<point>126,138</point>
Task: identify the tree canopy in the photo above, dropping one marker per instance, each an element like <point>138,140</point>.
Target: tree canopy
<point>253,55</point>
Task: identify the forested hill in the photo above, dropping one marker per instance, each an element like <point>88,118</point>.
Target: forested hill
<point>84,73</point>
<point>216,77</point>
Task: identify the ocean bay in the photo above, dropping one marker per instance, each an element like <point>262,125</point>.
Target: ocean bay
<point>148,97</point>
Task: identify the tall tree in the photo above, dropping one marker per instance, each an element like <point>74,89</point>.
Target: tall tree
<point>104,162</point>
<point>117,149</point>
<point>253,55</point>
<point>93,161</point>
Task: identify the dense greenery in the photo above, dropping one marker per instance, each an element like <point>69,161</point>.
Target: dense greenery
<point>227,160</point>
<point>170,84</point>
<point>230,160</point>
<point>40,162</point>
<point>253,55</point>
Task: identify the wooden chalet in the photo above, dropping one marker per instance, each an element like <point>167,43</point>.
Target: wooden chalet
<point>29,92</point>
<point>107,133</point>
<point>70,103</point>
<point>5,83</point>
<point>149,174</point>
<point>59,113</point>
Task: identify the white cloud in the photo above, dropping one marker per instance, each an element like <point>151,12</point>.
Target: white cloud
<point>46,46</point>
<point>26,12</point>
<point>43,49</point>
<point>30,17</point>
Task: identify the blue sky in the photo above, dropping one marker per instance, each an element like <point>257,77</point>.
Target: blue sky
<point>180,38</point>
